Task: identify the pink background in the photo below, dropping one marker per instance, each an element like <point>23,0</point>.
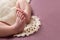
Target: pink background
<point>49,13</point>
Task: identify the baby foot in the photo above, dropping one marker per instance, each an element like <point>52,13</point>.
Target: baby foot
<point>20,21</point>
<point>23,5</point>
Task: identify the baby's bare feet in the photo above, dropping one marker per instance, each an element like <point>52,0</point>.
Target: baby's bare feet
<point>20,21</point>
<point>26,8</point>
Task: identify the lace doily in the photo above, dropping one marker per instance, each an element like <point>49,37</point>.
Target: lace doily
<point>31,28</point>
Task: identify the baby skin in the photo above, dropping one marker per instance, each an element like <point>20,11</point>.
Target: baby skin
<point>6,30</point>
<point>23,17</point>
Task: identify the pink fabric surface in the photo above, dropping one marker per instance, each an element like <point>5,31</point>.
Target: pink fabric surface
<point>49,13</point>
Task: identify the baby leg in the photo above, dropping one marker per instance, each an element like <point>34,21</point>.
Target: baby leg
<point>6,30</point>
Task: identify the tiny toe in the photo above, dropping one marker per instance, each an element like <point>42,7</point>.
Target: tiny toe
<point>19,14</point>
<point>18,9</point>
